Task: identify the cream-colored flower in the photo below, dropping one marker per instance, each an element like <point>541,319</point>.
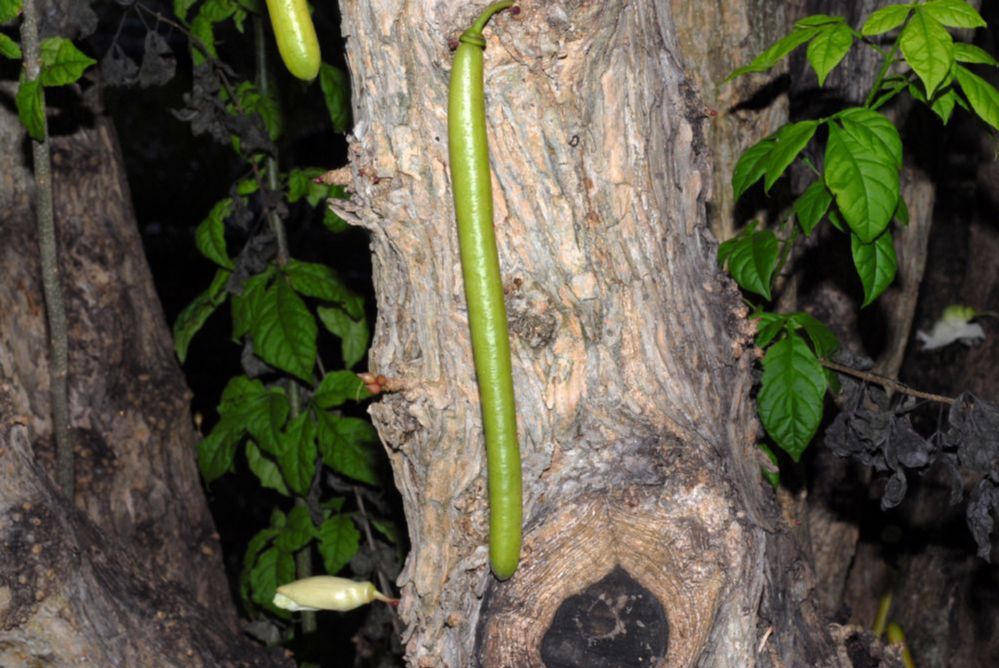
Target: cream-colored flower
<point>954,325</point>
<point>327,592</point>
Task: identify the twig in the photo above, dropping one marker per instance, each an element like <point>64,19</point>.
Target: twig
<point>55,307</point>
<point>886,382</point>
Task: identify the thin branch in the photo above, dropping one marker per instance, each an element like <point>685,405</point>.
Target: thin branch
<point>55,307</point>
<point>886,382</point>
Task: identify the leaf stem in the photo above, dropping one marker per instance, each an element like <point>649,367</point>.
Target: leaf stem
<point>886,382</point>
<point>55,307</point>
<point>889,60</point>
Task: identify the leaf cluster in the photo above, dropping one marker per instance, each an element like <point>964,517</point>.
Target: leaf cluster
<point>855,156</point>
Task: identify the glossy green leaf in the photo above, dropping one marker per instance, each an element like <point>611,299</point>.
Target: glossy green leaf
<point>284,331</point>
<point>256,545</point>
<point>217,450</point>
<point>824,342</point>
<point>339,387</point>
<point>818,20</point>
<point>353,334</point>
<point>776,51</point>
<point>339,540</point>
<point>828,49</point>
<point>265,469</point>
<point>298,456</point>
<point>193,317</point>
<point>298,532</point>
<point>273,568</point>
<point>209,237</point>
<point>317,280</point>
<point>768,326</point>
<point>885,19</point>
<point>9,10</point>
<point>752,261</point>
<point>982,95</point>
<point>181,7</point>
<point>876,264</point>
<point>348,446</point>
<point>872,128</point>
<point>929,50</point>
<point>252,101</point>
<point>265,416</point>
<point>811,206</point>
<point>943,105</point>
<point>30,103</point>
<point>249,303</point>
<point>336,91</point>
<point>9,48</point>
<point>902,212</point>
<point>751,166</point>
<point>203,39</point>
<point>954,13</point>
<point>863,180</point>
<point>239,395</point>
<point>789,141</point>
<point>62,63</point>
<point>969,53</point>
<point>790,399</point>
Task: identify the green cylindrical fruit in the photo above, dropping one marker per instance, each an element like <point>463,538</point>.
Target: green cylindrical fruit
<point>296,37</point>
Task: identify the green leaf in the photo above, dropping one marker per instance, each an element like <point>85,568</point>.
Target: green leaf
<point>969,53</point>
<point>753,260</point>
<point>776,51</point>
<point>353,333</point>
<point>768,327</point>
<point>217,450</point>
<point>9,10</point>
<point>265,416</point>
<point>812,205</point>
<point>863,180</point>
<point>982,95</point>
<point>386,528</point>
<point>928,48</point>
<point>902,212</point>
<point>298,532</point>
<point>248,304</point>
<point>299,182</point>
<point>954,13</point>
<point>333,222</point>
<point>347,445</point>
<point>338,387</point>
<point>339,540</point>
<point>193,317</point>
<point>872,128</point>
<point>239,395</point>
<point>181,7</point>
<point>824,342</point>
<point>317,280</point>
<point>298,458</point>
<point>62,63</point>
<point>251,100</point>
<point>943,105</point>
<point>876,264</point>
<point>273,568</point>
<point>885,19</point>
<point>818,20</point>
<point>31,108</point>
<point>253,549</point>
<point>790,400</point>
<point>828,49</point>
<point>284,332</point>
<point>751,166</point>
<point>772,477</point>
<point>267,471</point>
<point>9,48</point>
<point>789,141</point>
<point>203,39</point>
<point>247,186</point>
<point>336,91</point>
<point>209,237</point>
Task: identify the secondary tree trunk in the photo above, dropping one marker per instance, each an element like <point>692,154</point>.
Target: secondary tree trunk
<point>650,537</point>
<point>129,572</point>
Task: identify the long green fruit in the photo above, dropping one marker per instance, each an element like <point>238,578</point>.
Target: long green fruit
<point>473,203</point>
<point>296,37</point>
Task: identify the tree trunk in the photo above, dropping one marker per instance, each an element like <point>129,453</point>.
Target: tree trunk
<point>649,535</point>
<point>129,571</point>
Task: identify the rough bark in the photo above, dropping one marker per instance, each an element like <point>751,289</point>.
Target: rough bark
<point>139,513</point>
<point>631,356</point>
